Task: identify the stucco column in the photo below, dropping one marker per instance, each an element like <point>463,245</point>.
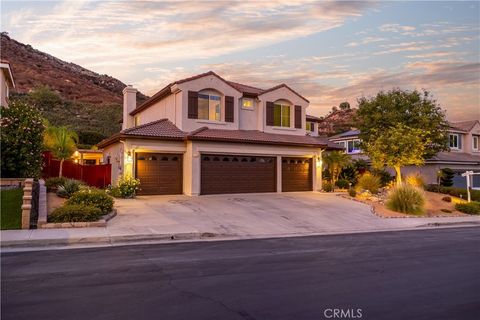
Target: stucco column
<point>191,170</point>
<point>279,173</point>
<point>318,168</point>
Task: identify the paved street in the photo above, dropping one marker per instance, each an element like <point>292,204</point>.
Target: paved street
<point>430,274</point>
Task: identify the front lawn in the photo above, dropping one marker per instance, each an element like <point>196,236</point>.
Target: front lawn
<point>11,209</point>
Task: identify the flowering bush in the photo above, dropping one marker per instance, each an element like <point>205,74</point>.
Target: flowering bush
<point>92,197</point>
<point>22,130</point>
<point>127,187</point>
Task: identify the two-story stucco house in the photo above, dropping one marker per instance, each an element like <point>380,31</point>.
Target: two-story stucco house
<point>464,154</point>
<point>207,135</point>
<point>6,82</point>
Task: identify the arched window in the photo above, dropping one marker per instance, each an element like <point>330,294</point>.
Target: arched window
<point>210,105</point>
<point>281,113</point>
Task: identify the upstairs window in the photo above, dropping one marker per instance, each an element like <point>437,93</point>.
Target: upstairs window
<point>454,140</point>
<point>475,143</point>
<point>247,103</point>
<point>353,146</point>
<point>209,107</point>
<point>281,115</point>
<point>136,121</point>
<point>310,126</point>
<point>343,144</point>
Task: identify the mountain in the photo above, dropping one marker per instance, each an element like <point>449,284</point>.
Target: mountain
<point>338,121</point>
<point>32,68</point>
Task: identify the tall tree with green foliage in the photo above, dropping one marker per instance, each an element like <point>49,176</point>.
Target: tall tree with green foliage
<point>336,161</point>
<point>62,142</point>
<point>400,128</point>
<point>22,128</point>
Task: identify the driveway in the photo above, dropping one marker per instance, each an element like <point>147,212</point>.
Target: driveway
<point>274,214</point>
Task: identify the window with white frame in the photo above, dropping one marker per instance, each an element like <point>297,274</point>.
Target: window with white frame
<point>454,140</point>
<point>343,144</point>
<point>281,115</point>
<point>353,146</point>
<point>247,103</point>
<point>475,143</point>
<point>209,107</point>
<point>310,126</point>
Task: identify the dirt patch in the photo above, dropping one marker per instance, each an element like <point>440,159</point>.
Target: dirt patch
<point>54,202</point>
<point>433,208</point>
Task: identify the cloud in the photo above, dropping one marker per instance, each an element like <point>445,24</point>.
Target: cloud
<point>108,35</point>
<point>366,40</point>
<point>395,27</point>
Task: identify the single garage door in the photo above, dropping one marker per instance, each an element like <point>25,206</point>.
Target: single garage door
<point>159,173</point>
<point>296,174</point>
<point>237,174</point>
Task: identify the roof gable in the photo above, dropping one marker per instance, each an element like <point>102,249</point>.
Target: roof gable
<point>283,85</point>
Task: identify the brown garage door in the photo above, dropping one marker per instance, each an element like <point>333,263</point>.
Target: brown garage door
<point>159,173</point>
<point>237,174</point>
<point>296,174</point>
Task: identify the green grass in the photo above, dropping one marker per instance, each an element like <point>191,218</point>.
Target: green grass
<point>11,209</point>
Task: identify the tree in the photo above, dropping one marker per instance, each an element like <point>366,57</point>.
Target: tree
<point>446,177</point>
<point>410,124</point>
<point>344,106</point>
<point>22,129</point>
<point>399,146</point>
<point>336,161</point>
<point>43,98</point>
<point>61,141</point>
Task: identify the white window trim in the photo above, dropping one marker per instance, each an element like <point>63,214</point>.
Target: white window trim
<point>478,142</point>
<point>353,151</point>
<point>281,113</point>
<point>458,140</point>
<point>221,107</point>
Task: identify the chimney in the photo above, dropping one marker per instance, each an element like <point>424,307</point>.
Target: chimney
<point>129,104</point>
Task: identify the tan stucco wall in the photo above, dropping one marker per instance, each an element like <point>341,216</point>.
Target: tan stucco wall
<point>283,93</point>
<point>163,109</point>
<point>3,89</point>
<point>116,153</point>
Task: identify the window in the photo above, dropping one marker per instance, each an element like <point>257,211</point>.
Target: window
<point>343,144</point>
<point>209,107</point>
<point>281,115</point>
<point>136,121</point>
<point>475,143</point>
<point>310,126</point>
<point>454,141</point>
<point>353,146</point>
<point>247,103</point>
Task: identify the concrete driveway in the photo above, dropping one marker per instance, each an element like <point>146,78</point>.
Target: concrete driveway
<point>274,214</point>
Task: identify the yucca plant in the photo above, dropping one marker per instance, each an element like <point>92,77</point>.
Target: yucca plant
<point>406,199</point>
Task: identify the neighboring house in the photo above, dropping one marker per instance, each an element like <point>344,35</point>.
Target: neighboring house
<point>6,83</point>
<point>464,152</point>
<point>88,157</point>
<point>207,135</point>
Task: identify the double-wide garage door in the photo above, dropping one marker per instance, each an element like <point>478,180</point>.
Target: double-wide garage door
<point>237,174</point>
<point>159,173</point>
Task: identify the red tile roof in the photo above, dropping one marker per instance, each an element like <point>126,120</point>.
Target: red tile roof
<point>464,125</point>
<point>244,89</point>
<point>165,130</point>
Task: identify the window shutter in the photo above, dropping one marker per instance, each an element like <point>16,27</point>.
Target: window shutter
<point>269,113</point>
<point>229,110</point>
<point>298,117</point>
<point>459,141</point>
<point>192,105</point>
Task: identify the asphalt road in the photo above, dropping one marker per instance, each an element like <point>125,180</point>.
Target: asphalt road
<point>396,275</point>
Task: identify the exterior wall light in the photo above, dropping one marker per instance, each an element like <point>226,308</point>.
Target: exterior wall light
<point>129,158</point>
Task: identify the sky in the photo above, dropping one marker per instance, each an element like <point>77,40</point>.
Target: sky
<point>329,52</point>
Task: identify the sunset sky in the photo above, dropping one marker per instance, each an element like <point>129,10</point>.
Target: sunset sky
<point>328,51</point>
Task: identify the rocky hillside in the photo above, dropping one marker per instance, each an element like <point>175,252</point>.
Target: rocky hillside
<point>32,68</point>
<point>338,121</point>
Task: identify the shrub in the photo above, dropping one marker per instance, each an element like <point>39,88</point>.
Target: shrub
<point>114,191</point>
<point>68,188</point>
<point>415,180</point>
<point>21,135</point>
<point>368,182</point>
<point>406,199</point>
<point>385,177</point>
<point>349,173</point>
<point>446,177</point>
<point>453,191</point>
<point>75,213</point>
<point>93,197</point>
<point>53,183</point>
<point>469,207</point>
<point>352,192</point>
<point>128,186</point>
<point>447,199</point>
<point>342,184</point>
<point>327,186</point>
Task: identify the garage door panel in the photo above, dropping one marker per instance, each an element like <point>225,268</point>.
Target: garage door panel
<point>159,173</point>
<point>296,174</point>
<point>237,174</point>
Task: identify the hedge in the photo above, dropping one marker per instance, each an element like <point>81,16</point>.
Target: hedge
<point>453,191</point>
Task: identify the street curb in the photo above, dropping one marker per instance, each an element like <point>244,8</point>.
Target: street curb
<point>94,242</point>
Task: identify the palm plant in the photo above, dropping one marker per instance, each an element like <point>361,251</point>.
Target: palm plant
<point>62,142</point>
<point>336,161</point>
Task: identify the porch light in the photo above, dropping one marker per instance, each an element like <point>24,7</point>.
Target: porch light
<point>129,157</point>
<point>319,162</point>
